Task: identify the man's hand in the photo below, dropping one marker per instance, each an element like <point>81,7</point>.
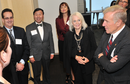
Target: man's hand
<point>114,59</point>
<point>32,60</point>
<point>100,55</point>
<point>51,56</point>
<point>80,59</point>
<point>19,67</point>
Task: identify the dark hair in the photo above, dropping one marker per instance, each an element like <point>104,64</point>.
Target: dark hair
<point>37,9</point>
<point>6,10</point>
<point>60,14</point>
<point>4,40</point>
<point>113,3</point>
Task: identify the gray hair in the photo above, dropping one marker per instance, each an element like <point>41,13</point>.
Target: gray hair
<point>118,13</point>
<point>84,25</point>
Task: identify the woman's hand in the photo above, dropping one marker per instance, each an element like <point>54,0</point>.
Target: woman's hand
<point>86,60</point>
<point>81,60</point>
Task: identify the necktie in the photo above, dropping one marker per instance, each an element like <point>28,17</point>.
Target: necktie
<point>108,45</point>
<point>11,35</point>
<point>39,24</point>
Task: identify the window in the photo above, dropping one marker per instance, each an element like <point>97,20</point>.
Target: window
<point>97,5</point>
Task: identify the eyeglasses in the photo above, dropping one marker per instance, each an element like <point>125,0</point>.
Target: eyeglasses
<point>123,1</point>
<point>7,18</point>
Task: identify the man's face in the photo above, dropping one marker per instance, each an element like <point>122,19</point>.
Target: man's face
<point>8,20</point>
<point>109,24</point>
<point>38,16</point>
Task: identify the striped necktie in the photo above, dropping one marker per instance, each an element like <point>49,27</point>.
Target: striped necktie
<point>12,35</point>
<point>108,45</point>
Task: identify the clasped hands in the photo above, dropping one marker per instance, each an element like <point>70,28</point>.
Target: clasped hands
<point>81,60</point>
<point>19,67</point>
<point>113,59</point>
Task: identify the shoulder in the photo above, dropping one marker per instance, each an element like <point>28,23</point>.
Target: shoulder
<point>68,33</point>
<point>88,30</point>
<point>128,11</point>
<point>18,28</point>
<point>45,23</point>
<point>127,30</point>
<point>58,19</point>
<point>30,25</point>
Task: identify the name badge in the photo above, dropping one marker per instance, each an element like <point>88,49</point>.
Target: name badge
<point>18,41</point>
<point>33,32</point>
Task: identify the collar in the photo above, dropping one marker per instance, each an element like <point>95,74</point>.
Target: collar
<point>38,23</point>
<point>9,29</point>
<point>117,33</point>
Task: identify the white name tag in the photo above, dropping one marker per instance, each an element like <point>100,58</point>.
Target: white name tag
<point>18,41</point>
<point>33,32</point>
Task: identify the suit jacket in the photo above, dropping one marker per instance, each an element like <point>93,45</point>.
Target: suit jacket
<point>61,28</point>
<point>19,51</point>
<point>89,45</point>
<point>39,48</point>
<point>128,17</point>
<point>118,72</point>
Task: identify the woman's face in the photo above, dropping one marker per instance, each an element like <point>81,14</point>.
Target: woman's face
<point>7,54</point>
<point>76,22</point>
<point>123,3</point>
<point>64,8</point>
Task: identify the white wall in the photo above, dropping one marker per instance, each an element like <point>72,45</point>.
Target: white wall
<point>51,9</point>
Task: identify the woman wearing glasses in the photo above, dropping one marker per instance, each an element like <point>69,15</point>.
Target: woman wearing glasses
<point>126,5</point>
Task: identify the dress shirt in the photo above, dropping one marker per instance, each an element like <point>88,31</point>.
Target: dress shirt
<point>116,34</point>
<point>21,61</point>
<point>9,31</point>
<point>114,37</point>
<point>41,31</point>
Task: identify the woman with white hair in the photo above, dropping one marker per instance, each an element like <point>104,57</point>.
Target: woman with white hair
<point>79,48</point>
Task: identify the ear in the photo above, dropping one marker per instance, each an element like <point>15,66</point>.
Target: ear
<point>3,56</point>
<point>118,23</point>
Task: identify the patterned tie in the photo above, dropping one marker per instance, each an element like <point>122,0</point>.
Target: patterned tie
<point>11,35</point>
<point>109,45</point>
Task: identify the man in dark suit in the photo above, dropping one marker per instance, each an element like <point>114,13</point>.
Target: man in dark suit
<point>40,39</point>
<point>17,71</point>
<point>113,52</point>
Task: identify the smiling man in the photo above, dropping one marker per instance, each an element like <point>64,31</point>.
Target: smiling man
<point>17,70</point>
<point>40,39</point>
<point>113,52</point>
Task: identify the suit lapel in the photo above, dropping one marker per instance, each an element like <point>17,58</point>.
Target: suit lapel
<point>44,32</point>
<point>117,40</point>
<point>9,35</point>
<point>106,39</point>
<point>38,34</point>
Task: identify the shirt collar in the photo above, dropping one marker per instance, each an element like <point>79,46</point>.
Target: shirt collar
<point>117,33</point>
<point>38,23</point>
<point>9,29</point>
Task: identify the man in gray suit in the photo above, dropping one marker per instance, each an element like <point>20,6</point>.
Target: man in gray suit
<point>113,52</point>
<point>40,39</point>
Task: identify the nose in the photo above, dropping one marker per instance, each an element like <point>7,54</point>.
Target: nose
<point>103,23</point>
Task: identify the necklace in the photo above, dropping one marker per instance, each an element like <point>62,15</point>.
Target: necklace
<point>78,41</point>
